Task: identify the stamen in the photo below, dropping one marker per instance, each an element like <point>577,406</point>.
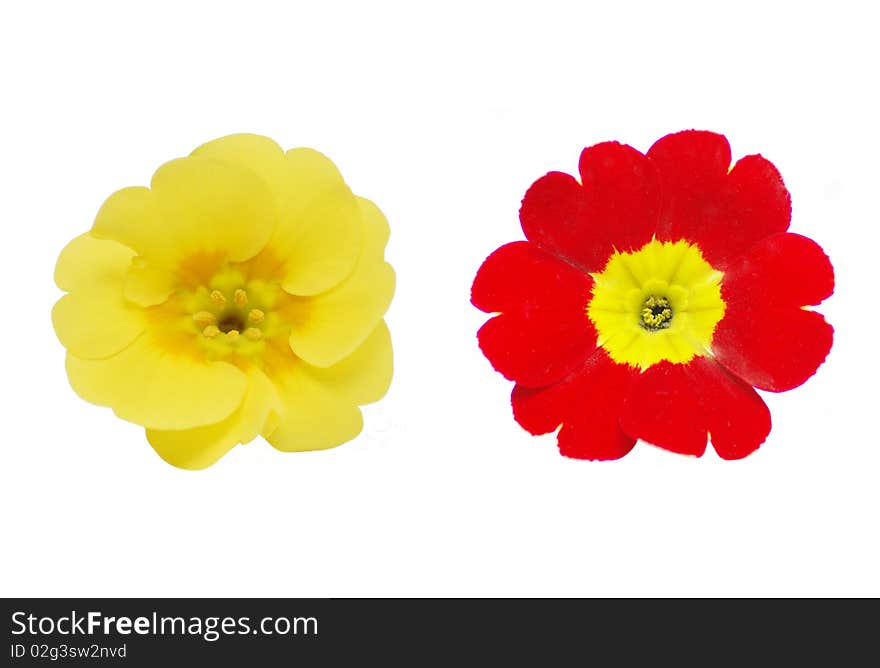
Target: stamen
<point>240,298</point>
<point>232,335</point>
<point>204,318</point>
<point>656,313</point>
<point>218,298</point>
<point>211,331</point>
<point>256,316</point>
<point>253,333</point>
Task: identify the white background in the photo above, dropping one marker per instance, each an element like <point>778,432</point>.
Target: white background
<point>443,114</point>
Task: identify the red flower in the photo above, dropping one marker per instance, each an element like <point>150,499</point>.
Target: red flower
<point>650,299</point>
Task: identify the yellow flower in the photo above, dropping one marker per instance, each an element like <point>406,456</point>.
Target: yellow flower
<point>242,294</point>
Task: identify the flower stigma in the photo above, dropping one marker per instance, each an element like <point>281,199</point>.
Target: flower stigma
<point>656,313</point>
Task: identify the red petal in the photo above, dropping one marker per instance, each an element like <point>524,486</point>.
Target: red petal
<point>663,409</point>
<point>765,337</point>
<point>756,205</point>
<point>587,404</point>
<point>673,406</point>
<point>782,270</point>
<point>537,349</point>
<point>737,418</point>
<point>623,193</point>
<point>616,206</point>
<point>522,277</point>
<point>724,213</point>
<point>692,165</point>
<point>540,410</point>
<point>543,331</point>
<point>772,349</point>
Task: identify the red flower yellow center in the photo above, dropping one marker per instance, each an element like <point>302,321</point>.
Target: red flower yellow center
<point>660,302</point>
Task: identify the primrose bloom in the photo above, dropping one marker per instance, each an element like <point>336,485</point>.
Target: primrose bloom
<point>242,294</point>
<point>652,297</point>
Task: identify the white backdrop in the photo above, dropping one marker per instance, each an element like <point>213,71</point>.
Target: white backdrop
<point>443,114</point>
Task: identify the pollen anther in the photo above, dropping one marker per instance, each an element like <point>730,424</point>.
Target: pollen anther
<point>240,298</point>
<point>218,298</point>
<point>204,318</point>
<point>253,333</point>
<point>211,331</point>
<point>656,313</point>
<point>256,316</point>
<point>232,335</point>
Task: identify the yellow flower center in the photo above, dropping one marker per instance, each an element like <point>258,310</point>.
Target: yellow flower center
<point>231,314</point>
<point>230,321</point>
<point>661,302</point>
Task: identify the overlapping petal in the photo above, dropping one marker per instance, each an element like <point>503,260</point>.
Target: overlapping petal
<point>365,375</point>
<point>201,447</point>
<point>96,324</point>
<point>543,331</point>
<point>774,351</point>
<point>766,337</point>
<point>663,408</point>
<point>328,327</point>
<point>725,211</point>
<point>259,154</point>
<point>586,403</point>
<point>319,236</point>
<point>91,263</point>
<point>195,206</point>
<point>149,284</point>
<point>676,406</point>
<point>151,386</point>
<point>320,405</point>
<point>616,206</point>
<point>94,321</point>
<point>737,419</point>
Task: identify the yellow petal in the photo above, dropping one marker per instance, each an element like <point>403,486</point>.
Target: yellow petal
<point>131,217</point>
<point>259,154</point>
<point>376,230</point>
<point>200,447</point>
<point>297,178</point>
<point>308,174</point>
<point>210,206</point>
<point>152,387</point>
<point>88,262</point>
<point>316,415</point>
<point>319,235</point>
<point>149,284</point>
<point>318,238</point>
<point>196,207</point>
<point>363,376</point>
<point>95,324</point>
<point>330,326</point>
<point>327,246</point>
<point>94,321</point>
